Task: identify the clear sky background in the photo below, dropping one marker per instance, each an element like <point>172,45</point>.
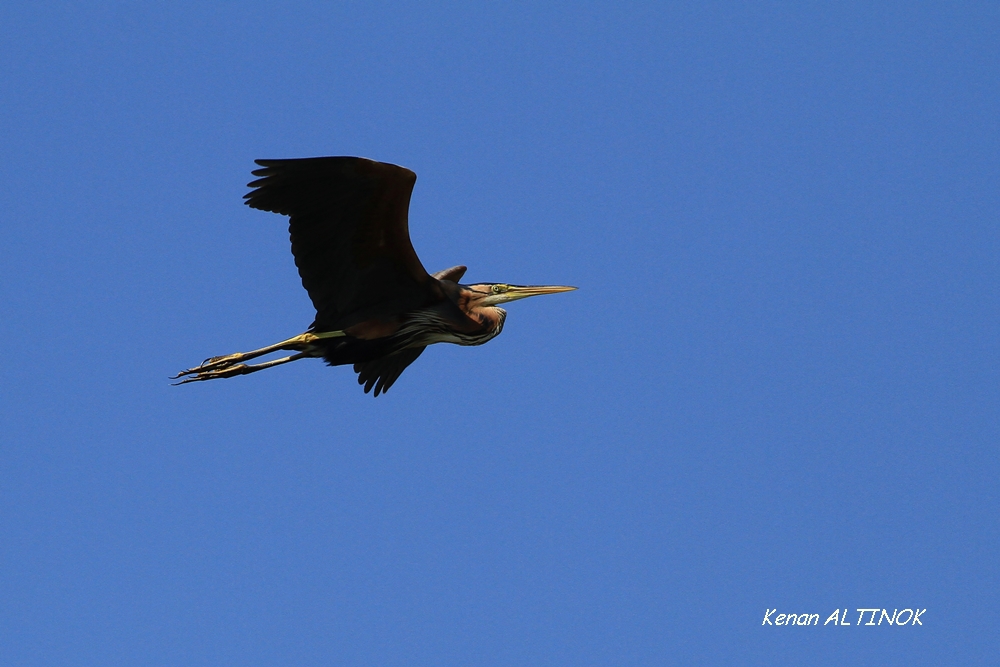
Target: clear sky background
<point>775,388</point>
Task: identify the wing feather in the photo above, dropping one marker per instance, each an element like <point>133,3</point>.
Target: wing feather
<point>453,274</point>
<point>383,372</point>
<point>349,233</point>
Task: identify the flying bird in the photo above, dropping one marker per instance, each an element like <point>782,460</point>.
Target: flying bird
<point>376,306</point>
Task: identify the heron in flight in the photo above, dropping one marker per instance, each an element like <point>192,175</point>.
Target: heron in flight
<point>376,305</point>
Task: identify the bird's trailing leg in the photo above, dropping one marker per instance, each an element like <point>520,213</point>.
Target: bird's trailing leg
<point>240,369</point>
<point>216,367</point>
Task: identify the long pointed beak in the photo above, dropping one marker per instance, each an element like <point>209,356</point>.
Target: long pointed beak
<point>515,292</point>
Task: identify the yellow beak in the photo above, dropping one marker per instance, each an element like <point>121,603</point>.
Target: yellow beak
<point>515,292</point>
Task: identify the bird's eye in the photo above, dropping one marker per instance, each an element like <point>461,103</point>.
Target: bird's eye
<point>497,289</point>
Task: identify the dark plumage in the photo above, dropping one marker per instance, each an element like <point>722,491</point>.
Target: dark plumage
<point>376,306</point>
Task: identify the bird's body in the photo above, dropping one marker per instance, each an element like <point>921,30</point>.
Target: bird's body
<point>376,306</point>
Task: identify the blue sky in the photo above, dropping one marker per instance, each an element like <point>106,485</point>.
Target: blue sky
<point>775,389</point>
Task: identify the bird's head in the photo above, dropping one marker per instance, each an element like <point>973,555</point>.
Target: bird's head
<point>493,294</point>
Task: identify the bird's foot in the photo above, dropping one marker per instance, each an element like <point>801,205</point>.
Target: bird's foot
<point>216,363</point>
<point>226,365</point>
<point>200,375</point>
<point>213,364</point>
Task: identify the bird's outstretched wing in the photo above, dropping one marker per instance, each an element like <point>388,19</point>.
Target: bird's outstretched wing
<point>382,373</point>
<point>349,232</point>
